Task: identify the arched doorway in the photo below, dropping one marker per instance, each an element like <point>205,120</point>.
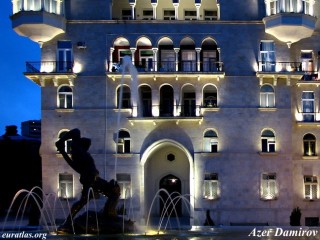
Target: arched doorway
<point>162,160</point>
<point>170,206</point>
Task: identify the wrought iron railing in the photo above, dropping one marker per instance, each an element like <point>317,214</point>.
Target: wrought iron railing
<point>172,66</point>
<point>49,67</point>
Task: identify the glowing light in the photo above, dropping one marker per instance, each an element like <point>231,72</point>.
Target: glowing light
<point>299,116</point>
<point>77,67</point>
<point>47,67</point>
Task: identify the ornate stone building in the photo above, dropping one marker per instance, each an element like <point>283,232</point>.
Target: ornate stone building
<point>224,109</point>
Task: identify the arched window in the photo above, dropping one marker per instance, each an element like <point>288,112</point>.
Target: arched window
<point>125,98</point>
<point>166,101</point>
<point>210,96</point>
<point>268,141</point>
<point>267,98</point>
<point>65,97</point>
<point>309,145</point>
<point>123,142</point>
<point>67,146</point>
<point>210,141</point>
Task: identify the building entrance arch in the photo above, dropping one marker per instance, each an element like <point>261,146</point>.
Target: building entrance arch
<point>164,161</point>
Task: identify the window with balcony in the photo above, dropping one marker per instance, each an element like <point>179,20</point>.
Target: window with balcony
<point>123,53</point>
<point>308,106</point>
<point>188,60</point>
<point>65,189</point>
<point>166,101</point>
<point>307,65</point>
<point>123,142</point>
<point>167,60</point>
<point>267,56</point>
<point>124,181</point>
<point>210,141</point>
<point>289,6</point>
<point>67,144</point>
<point>123,97</point>
<point>309,145</point>
<point>310,187</point>
<point>189,101</point>
<point>169,15</point>
<point>65,97</point>
<point>268,186</point>
<point>64,56</point>
<point>210,96</point>
<point>210,61</point>
<point>267,99</point>
<point>145,101</point>
<point>268,141</point>
<point>146,60</point>
<point>211,188</point>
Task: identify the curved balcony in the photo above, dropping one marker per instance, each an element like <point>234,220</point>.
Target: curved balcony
<point>290,27</point>
<point>40,22</point>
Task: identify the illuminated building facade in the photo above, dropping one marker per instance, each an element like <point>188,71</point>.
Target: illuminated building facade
<point>225,110</point>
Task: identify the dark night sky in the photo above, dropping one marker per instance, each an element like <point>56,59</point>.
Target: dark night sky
<point>19,96</point>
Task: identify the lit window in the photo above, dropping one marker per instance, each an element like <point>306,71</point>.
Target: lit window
<point>309,145</point>
<point>268,142</point>
<point>210,96</point>
<point>308,106</point>
<point>269,189</point>
<point>125,97</point>
<point>310,187</point>
<point>267,96</point>
<point>124,181</point>
<point>65,185</point>
<point>210,141</point>
<point>65,97</point>
<point>211,189</point>
<point>123,142</point>
<point>67,146</point>
<point>267,56</point>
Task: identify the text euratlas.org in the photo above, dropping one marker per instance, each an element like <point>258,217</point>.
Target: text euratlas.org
<point>22,235</point>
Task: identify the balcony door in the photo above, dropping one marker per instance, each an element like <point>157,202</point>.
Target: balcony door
<point>64,56</point>
<point>267,56</point>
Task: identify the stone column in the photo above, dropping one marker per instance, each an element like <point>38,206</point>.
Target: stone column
<point>176,50</point>
<point>133,5</point>
<point>111,59</point>
<point>198,58</point>
<point>198,5</point>
<point>133,50</point>
<point>155,59</point>
<point>154,8</point>
<point>176,8</point>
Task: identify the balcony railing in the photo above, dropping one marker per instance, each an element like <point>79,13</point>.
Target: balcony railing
<point>49,67</point>
<point>172,66</point>
<point>271,66</point>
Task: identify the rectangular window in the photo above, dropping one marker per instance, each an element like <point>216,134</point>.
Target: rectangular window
<point>167,61</point>
<point>188,60</point>
<point>64,56</point>
<point>124,181</point>
<point>147,14</point>
<point>168,15</point>
<point>308,106</point>
<point>268,144</point>
<point>126,14</point>
<point>190,15</point>
<point>211,188</point>
<point>65,185</point>
<point>267,56</point>
<point>210,15</point>
<point>310,187</point>
<point>269,189</point>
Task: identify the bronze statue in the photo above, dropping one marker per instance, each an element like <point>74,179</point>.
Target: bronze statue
<point>83,163</point>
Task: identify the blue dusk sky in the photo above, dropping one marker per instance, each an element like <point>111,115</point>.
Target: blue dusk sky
<point>19,96</point>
